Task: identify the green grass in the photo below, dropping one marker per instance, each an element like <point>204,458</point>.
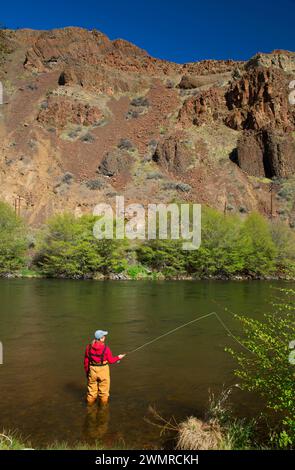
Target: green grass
<point>27,272</point>
<point>140,272</point>
<point>237,434</point>
<point>12,441</point>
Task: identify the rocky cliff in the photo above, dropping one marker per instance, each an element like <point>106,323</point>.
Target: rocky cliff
<point>85,118</point>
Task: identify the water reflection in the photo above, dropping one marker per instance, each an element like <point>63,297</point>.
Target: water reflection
<point>96,422</point>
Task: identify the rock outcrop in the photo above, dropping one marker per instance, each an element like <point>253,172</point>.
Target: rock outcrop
<point>59,112</point>
<point>259,99</point>
<point>173,154</point>
<point>284,60</point>
<point>207,107</point>
<point>114,163</point>
<point>267,153</point>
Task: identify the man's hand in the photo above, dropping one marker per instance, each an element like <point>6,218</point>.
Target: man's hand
<point>121,356</point>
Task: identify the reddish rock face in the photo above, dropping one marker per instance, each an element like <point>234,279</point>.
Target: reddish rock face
<point>68,45</point>
<point>258,99</point>
<point>173,154</point>
<point>266,153</point>
<point>208,106</point>
<point>60,111</point>
<point>101,79</point>
<point>250,156</point>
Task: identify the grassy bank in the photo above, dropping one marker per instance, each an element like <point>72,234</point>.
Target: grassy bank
<point>12,441</point>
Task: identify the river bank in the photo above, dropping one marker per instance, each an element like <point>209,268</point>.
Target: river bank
<point>148,276</point>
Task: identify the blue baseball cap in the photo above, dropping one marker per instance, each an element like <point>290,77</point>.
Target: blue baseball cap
<point>99,334</point>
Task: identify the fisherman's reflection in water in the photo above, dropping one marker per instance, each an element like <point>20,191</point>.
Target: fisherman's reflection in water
<point>96,421</point>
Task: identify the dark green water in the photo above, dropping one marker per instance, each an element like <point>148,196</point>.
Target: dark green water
<point>45,326</point>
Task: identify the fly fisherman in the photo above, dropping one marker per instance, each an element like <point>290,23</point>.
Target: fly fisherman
<point>97,358</point>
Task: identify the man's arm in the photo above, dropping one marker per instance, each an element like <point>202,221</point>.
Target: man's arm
<point>110,358</point>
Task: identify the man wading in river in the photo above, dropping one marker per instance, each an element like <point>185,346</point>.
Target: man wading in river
<point>97,358</point>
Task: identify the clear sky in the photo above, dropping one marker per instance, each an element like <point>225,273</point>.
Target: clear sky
<point>181,31</point>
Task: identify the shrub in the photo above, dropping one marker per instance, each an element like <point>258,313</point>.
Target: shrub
<point>13,241</point>
<point>94,184</point>
<point>141,101</point>
<point>154,175</point>
<point>171,185</point>
<point>220,252</point>
<point>220,430</point>
<point>132,114</point>
<point>257,246</point>
<point>284,240</point>
<point>87,138</point>
<point>229,247</point>
<point>67,248</point>
<point>138,272</point>
<point>195,434</point>
<point>183,187</point>
<point>266,368</point>
<point>67,178</point>
<point>163,255</point>
<point>126,144</point>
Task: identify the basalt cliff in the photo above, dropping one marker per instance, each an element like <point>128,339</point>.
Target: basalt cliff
<point>84,119</point>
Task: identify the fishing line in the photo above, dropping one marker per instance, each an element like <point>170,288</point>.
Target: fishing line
<point>189,323</point>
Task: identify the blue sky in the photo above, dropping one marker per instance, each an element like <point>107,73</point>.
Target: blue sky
<point>176,30</point>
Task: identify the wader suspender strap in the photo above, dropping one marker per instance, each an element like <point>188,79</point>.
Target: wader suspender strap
<point>90,358</point>
<point>102,354</point>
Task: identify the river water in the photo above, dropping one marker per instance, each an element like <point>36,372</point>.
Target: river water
<point>46,324</point>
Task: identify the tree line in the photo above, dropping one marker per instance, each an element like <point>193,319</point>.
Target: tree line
<point>65,247</point>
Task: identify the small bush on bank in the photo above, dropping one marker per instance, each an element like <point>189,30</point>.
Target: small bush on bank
<point>13,240</point>
<point>219,431</point>
<point>195,434</point>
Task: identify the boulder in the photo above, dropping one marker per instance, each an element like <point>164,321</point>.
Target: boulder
<point>114,163</point>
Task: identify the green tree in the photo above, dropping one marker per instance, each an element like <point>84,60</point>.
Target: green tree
<point>229,246</point>
<point>13,240</point>
<point>220,252</point>
<point>68,248</point>
<point>166,256</point>
<point>266,369</point>
<point>258,248</point>
<point>284,240</point>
